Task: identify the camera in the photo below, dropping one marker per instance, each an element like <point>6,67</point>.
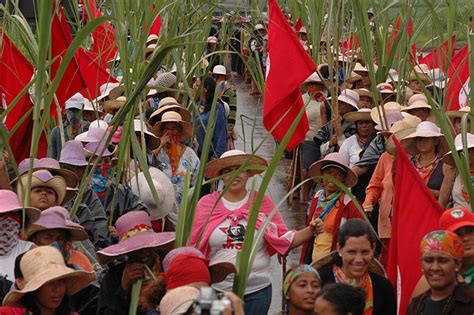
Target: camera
<point>210,302</point>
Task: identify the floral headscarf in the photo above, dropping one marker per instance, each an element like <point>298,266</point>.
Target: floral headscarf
<point>294,273</point>
<point>445,242</point>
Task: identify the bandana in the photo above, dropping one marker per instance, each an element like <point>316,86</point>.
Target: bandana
<point>174,152</point>
<point>186,269</point>
<point>444,242</point>
<point>325,204</point>
<point>73,123</point>
<point>361,141</point>
<point>294,273</point>
<point>9,231</point>
<point>427,170</point>
<point>100,179</point>
<point>365,283</point>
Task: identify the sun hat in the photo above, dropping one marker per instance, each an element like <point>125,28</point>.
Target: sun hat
<point>113,105</point>
<point>302,30</point>
<point>456,218</point>
<point>313,78</point>
<point>94,134</point>
<point>212,40</point>
<point>421,72</point>
<point>76,102</point>
<point>337,160</point>
<point>57,218</point>
<point>139,126</point>
<point>417,101</point>
<point>360,68</point>
<point>259,27</point>
<point>365,92</point>
<point>349,97</point>
<point>374,266</point>
<point>354,77</point>
<point>72,153</point>
<point>164,189</point>
<point>174,117</point>
<point>179,300</point>
<point>151,38</point>
<point>99,123</point>
<point>42,265</point>
<point>400,130</point>
<point>11,203</point>
<point>135,232</point>
<point>43,178</point>
<point>117,91</point>
<point>95,148</point>
<point>453,114</point>
<point>157,114</point>
<point>168,101</point>
<point>49,164</point>
<point>444,242</point>
<point>438,78</point>
<point>105,88</point>
<point>91,106</point>
<point>220,70</point>
<point>425,129</point>
<point>448,157</point>
<point>385,88</point>
<point>362,114</point>
<point>165,80</point>
<point>235,158</point>
<point>392,114</point>
<point>150,49</point>
<point>152,92</point>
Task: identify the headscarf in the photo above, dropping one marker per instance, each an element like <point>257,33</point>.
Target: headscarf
<point>100,179</point>
<point>294,273</point>
<point>444,242</point>
<point>186,269</point>
<point>9,231</point>
<point>73,122</point>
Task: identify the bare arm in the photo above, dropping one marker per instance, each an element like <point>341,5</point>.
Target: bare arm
<point>447,185</point>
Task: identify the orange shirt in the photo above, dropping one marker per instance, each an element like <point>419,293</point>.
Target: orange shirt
<point>80,260</point>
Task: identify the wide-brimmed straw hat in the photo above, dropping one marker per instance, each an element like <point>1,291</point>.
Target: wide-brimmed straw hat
<point>96,148</point>
<point>11,203</point>
<point>337,160</point>
<point>113,105</point>
<point>212,40</point>
<point>363,114</point>
<point>360,68</point>
<point>57,218</point>
<point>349,97</point>
<point>375,266</point>
<point>42,265</point>
<point>400,130</point>
<point>421,72</point>
<point>235,158</point>
<point>354,77</point>
<point>164,189</point>
<point>150,49</point>
<point>135,232</point>
<point>417,101</point>
<point>392,112</point>
<point>72,153</point>
<point>453,114</point>
<point>152,141</point>
<point>259,27</point>
<point>313,78</point>
<point>425,129</point>
<point>151,38</point>
<point>365,92</point>
<point>174,117</point>
<point>170,105</point>
<point>448,157</point>
<point>50,165</point>
<point>43,178</point>
<point>179,300</point>
<point>385,88</point>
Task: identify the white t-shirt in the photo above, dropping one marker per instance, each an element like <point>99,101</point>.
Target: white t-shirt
<point>351,150</point>
<point>7,262</point>
<point>227,241</point>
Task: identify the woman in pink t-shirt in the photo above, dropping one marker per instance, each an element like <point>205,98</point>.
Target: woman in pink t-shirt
<point>221,221</point>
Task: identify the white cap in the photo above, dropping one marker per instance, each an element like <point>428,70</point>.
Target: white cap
<point>76,101</point>
<point>219,69</point>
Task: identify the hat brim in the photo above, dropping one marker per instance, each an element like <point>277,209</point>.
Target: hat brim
<point>448,157</point>
<point>220,271</point>
<point>156,116</point>
<point>391,147</point>
<point>456,226</point>
<point>76,280</point>
<point>32,214</point>
<point>358,116</point>
<point>214,168</point>
<point>69,176</point>
<point>416,106</point>
<point>453,114</point>
<point>375,266</point>
<point>57,183</point>
<point>315,170</point>
<point>75,234</point>
<point>138,241</point>
<point>186,134</point>
<point>410,146</point>
<point>112,105</point>
<point>365,93</point>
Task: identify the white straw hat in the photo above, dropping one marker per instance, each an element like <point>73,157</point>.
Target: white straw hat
<point>417,101</point>
<point>363,114</point>
<point>448,157</point>
<point>174,117</point>
<point>151,140</point>
<point>233,158</point>
<point>425,129</point>
<point>314,77</point>
<point>349,97</point>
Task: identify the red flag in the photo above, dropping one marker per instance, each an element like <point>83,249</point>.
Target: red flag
<point>415,213</point>
<point>298,25</point>
<point>156,26</point>
<point>17,72</point>
<point>288,65</point>
<point>438,57</point>
<point>103,36</point>
<point>458,83</point>
<point>350,45</point>
<point>395,34</point>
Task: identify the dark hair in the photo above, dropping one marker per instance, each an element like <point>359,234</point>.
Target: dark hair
<point>210,86</point>
<point>344,297</point>
<point>355,228</point>
<point>28,301</point>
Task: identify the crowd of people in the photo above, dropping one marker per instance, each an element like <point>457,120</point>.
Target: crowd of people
<point>64,252</point>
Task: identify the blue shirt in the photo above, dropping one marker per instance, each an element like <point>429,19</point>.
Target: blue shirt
<point>219,138</point>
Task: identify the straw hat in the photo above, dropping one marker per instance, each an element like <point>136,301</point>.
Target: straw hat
<point>354,77</point>
<point>417,101</point>
<point>50,165</point>
<point>212,40</point>
<point>259,27</point>
<point>220,70</point>
<point>313,78</point>
<point>43,178</point>
<point>110,63</point>
<point>157,114</point>
<point>375,266</point>
<point>57,218</point>
<point>365,92</point>
<point>401,129</point>
<point>91,106</point>
<point>113,105</point>
<point>234,158</point>
<point>135,232</point>
<point>165,80</point>
<point>42,265</point>
<point>152,142</point>
<point>150,49</point>
<point>438,78</point>
<point>385,88</point>
<point>360,68</point>
<point>425,129</point>
<point>387,107</point>
<point>174,117</point>
<point>95,148</point>
<point>453,114</point>
<point>363,114</point>
<point>421,73</point>
<point>150,38</point>
<point>178,300</point>
<point>164,189</point>
<point>349,97</point>
<point>338,160</point>
<point>458,144</point>
<point>168,101</point>
<point>10,203</point>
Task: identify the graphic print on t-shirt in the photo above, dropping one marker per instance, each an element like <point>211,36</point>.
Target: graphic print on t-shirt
<point>235,236</point>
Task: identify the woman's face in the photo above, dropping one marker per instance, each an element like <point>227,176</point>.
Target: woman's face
<point>171,127</point>
<point>365,102</point>
<point>365,128</point>
<point>337,174</point>
<point>439,270</point>
<point>426,145</point>
<point>422,113</point>
<point>43,197</point>
<point>303,290</point>
<point>343,108</point>
<point>313,88</point>
<point>48,237</point>
<point>466,234</point>
<point>239,184</point>
<point>50,295</point>
<point>356,255</point>
<point>324,307</point>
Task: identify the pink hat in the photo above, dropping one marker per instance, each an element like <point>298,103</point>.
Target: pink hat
<point>10,203</point>
<point>135,232</point>
<point>92,135</point>
<point>73,154</point>
<point>50,165</point>
<point>338,160</point>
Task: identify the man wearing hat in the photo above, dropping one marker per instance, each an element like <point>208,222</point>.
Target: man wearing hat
<point>441,254</point>
<point>73,125</point>
<point>140,245</point>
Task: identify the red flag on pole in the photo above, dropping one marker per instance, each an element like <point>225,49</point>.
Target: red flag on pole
<point>438,57</point>
<point>415,213</point>
<point>156,26</point>
<point>393,36</point>
<point>17,72</point>
<point>351,45</point>
<point>288,65</point>
<point>298,25</point>
<point>458,83</point>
